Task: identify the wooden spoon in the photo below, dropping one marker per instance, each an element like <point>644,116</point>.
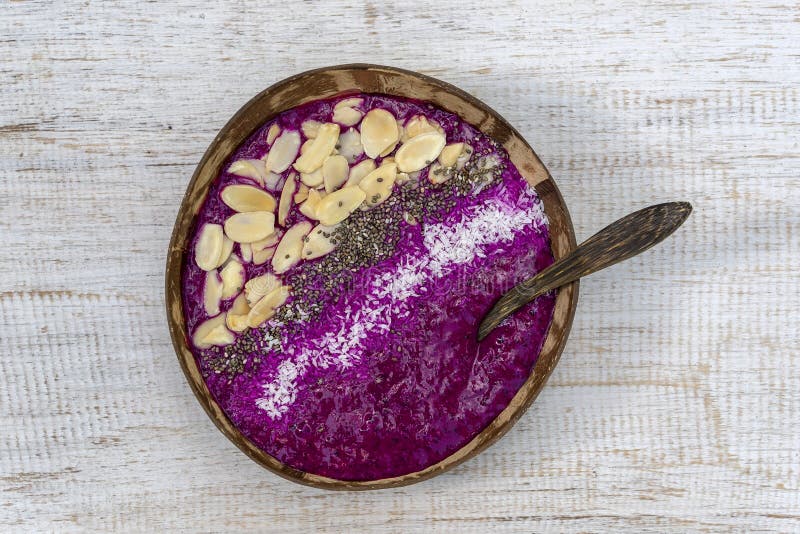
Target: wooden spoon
<point>623,239</point>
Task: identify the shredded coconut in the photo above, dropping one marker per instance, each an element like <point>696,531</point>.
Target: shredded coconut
<point>447,245</point>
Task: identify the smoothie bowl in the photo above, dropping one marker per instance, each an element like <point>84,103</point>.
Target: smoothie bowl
<point>337,246</point>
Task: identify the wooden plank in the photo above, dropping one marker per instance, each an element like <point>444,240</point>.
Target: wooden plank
<point>675,405</point>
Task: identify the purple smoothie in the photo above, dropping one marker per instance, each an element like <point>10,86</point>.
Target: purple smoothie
<point>387,378</point>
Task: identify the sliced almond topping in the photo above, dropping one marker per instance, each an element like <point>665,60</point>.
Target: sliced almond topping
<point>272,133</point>
<point>309,207</point>
<point>360,170</point>
<point>417,125</point>
<point>240,305</point>
<point>250,226</point>
<point>272,182</point>
<point>246,251</point>
<point>263,256</point>
<point>257,287</point>
<point>289,250</point>
<point>227,248</point>
<point>318,242</point>
<point>310,128</point>
<point>321,148</point>
<point>208,248</point>
<point>232,279</point>
<point>337,206</point>
<point>306,145</point>
<point>236,319</point>
<point>249,168</point>
<point>377,185</point>
<point>219,336</point>
<point>202,337</point>
<point>312,179</point>
<point>350,145</point>
<point>302,193</point>
<point>349,103</point>
<point>464,156</point>
<point>289,189</point>
<point>212,293</point>
<point>269,241</point>
<point>438,174</point>
<point>236,323</point>
<point>386,161</point>
<point>402,178</point>
<point>346,115</point>
<point>243,198</point>
<point>334,172</point>
<point>378,132</point>
<point>450,154</point>
<point>265,308</point>
<point>283,151</point>
<point>389,150</point>
<point>419,151</point>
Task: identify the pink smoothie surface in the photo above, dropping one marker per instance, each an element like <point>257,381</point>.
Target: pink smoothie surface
<point>388,378</point>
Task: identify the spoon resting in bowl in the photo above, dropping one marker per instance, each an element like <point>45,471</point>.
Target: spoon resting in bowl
<point>623,239</point>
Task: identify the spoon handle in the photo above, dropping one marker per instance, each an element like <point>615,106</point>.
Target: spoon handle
<point>618,241</point>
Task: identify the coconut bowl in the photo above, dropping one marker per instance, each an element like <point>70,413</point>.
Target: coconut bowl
<point>325,83</point>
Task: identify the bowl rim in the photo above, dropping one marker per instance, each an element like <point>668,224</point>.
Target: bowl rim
<point>244,123</point>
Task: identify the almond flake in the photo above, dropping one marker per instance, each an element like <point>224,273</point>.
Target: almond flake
<point>419,124</point>
<point>283,151</point>
<point>250,226</point>
<point>346,116</point>
<point>350,145</point>
<point>265,308</point>
<point>240,305</point>
<point>243,198</point>
<point>309,207</point>
<point>312,179</point>
<point>334,172</point>
<point>321,148</point>
<point>257,287</point>
<point>201,339</point>
<point>272,133</point>
<point>437,174</point>
<point>337,206</point>
<point>450,154</point>
<point>269,241</point>
<point>289,189</point>
<point>377,185</point>
<point>289,250</point>
<point>236,318</point>
<point>360,170</point>
<point>378,132</point>
<point>212,293</point>
<point>232,279</point>
<point>464,156</point>
<point>302,193</point>
<point>273,181</point>
<point>249,168</point>
<point>310,128</point>
<point>419,151</point>
<point>219,336</point>
<point>261,257</point>
<point>246,251</point>
<point>348,103</point>
<point>318,242</point>
<point>208,248</point>
<point>227,248</point>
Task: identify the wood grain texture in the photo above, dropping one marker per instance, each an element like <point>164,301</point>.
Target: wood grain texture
<point>676,402</point>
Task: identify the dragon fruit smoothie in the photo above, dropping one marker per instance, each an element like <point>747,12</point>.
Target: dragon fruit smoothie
<point>338,271</point>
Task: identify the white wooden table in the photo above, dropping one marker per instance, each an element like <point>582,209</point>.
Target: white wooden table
<point>677,401</point>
